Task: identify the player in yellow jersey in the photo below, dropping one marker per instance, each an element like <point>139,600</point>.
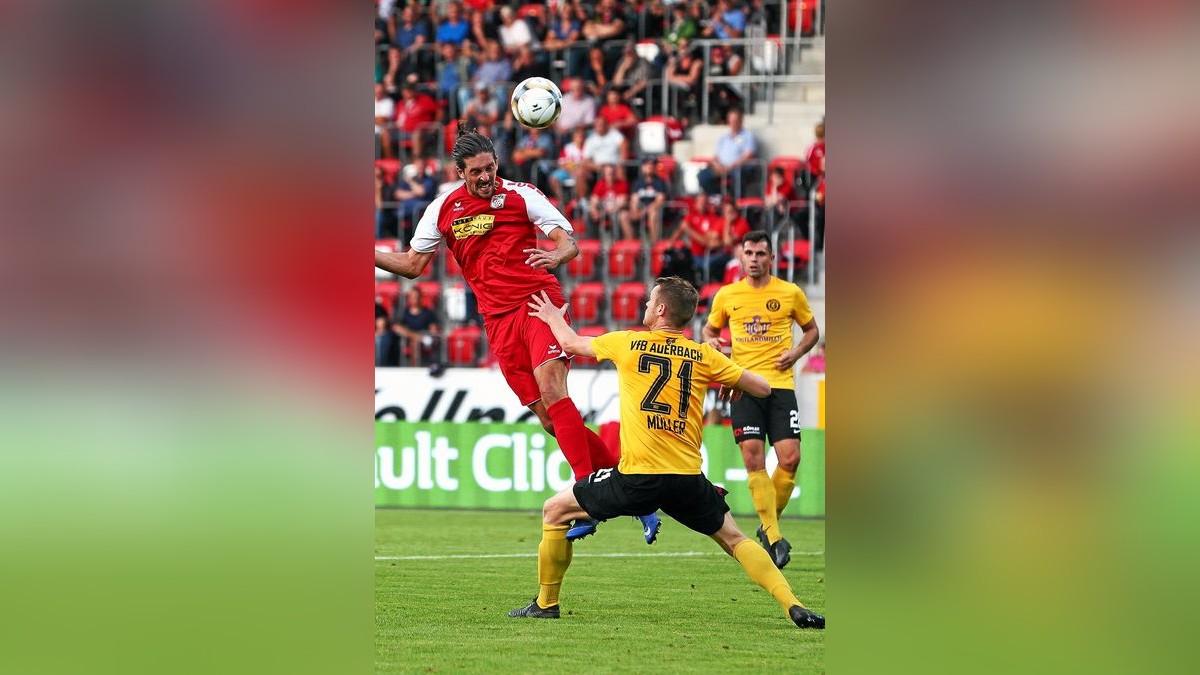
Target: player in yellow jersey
<point>663,377</point>
<point>760,310</point>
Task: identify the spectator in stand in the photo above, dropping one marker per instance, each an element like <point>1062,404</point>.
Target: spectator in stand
<point>819,205</point>
<point>454,28</point>
<point>816,359</point>
<point>414,191</point>
<point>605,145</point>
<point>724,96</point>
<point>410,35</point>
<point>415,116</point>
<point>385,213</point>
<point>383,41</point>
<point>484,110</point>
<point>650,195</point>
<point>682,28</point>
<point>494,67</point>
<point>618,114</point>
<point>534,150</point>
<point>734,226</point>
<point>450,179</point>
<point>579,109</point>
<point>702,228</point>
<point>526,64</point>
<point>454,76</point>
<point>565,31</point>
<point>385,113</point>
<point>816,153</point>
<point>610,202</point>
<point>419,327</point>
<point>734,149</point>
<point>632,76</point>
<point>386,354</point>
<point>570,171</point>
<point>656,19</point>
<point>483,31</point>
<point>779,194</point>
<point>607,24</point>
<point>726,23</point>
<point>514,32</point>
<point>684,68</point>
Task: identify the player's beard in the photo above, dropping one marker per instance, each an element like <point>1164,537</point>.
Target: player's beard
<point>485,192</point>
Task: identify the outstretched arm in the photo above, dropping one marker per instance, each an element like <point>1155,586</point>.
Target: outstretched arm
<point>408,264</point>
<point>571,342</point>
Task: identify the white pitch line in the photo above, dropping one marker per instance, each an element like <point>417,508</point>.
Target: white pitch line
<point>480,556</point>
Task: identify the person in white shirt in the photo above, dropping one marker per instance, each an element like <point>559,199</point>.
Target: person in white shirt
<point>579,109</point>
<point>514,32</point>
<point>604,146</point>
<point>385,114</point>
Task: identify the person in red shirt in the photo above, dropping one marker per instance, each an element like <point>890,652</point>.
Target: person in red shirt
<point>733,226</point>
<point>610,200</point>
<point>490,226</point>
<point>415,113</point>
<point>618,113</point>
<point>703,230</point>
<point>816,153</point>
<point>778,195</point>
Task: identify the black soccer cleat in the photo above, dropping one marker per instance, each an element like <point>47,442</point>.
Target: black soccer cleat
<point>532,611</point>
<point>762,539</point>
<point>803,618</point>
<point>781,553</point>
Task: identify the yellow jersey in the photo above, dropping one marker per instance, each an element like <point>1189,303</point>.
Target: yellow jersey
<point>663,379</point>
<point>760,323</point>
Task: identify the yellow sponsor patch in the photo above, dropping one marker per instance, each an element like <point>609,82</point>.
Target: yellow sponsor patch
<point>473,226</point>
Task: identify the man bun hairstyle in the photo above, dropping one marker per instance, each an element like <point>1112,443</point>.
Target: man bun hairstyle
<point>470,143</point>
<point>680,297</point>
<point>755,236</point>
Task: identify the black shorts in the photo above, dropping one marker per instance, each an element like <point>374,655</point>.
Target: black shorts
<point>776,417</point>
<point>691,499</point>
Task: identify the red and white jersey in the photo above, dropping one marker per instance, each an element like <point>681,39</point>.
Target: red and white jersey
<point>487,237</point>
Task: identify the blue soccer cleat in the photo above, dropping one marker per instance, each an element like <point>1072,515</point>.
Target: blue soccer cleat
<point>582,528</point>
<point>650,526</point>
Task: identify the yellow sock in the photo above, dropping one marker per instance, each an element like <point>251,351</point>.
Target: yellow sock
<point>554,557</point>
<point>762,493</point>
<point>763,572</point>
<point>785,482</point>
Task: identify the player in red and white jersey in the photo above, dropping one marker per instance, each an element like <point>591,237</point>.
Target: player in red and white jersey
<point>490,226</point>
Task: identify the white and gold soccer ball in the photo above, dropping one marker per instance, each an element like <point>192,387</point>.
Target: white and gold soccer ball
<point>536,103</point>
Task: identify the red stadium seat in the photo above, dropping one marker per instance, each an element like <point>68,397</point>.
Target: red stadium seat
<point>733,272</point>
<point>391,167</point>
<point>797,253</point>
<point>583,266</point>
<point>749,202</point>
<point>792,166</point>
<point>387,292</point>
<point>387,245</point>
<point>535,10</point>
<point>585,302</point>
<point>546,244</point>
<point>707,292</point>
<point>623,258</point>
<point>627,301</point>
<point>594,330</point>
<point>462,346</point>
<point>657,251</point>
<point>431,294</point>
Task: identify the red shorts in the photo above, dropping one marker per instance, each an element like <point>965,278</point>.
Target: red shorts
<point>521,343</point>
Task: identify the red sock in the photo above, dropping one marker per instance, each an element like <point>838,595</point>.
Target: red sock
<point>572,436</point>
<point>602,456</point>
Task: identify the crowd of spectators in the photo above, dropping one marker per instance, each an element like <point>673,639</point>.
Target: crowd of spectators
<point>441,61</point>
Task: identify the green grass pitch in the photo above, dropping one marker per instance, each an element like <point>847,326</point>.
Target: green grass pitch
<point>680,605</point>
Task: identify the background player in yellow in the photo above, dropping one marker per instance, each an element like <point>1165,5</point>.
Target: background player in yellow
<point>663,378</point>
<point>760,310</point>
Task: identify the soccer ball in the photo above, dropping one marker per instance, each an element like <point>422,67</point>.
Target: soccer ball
<point>536,103</point>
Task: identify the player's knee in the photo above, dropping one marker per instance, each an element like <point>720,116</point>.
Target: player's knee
<point>790,462</point>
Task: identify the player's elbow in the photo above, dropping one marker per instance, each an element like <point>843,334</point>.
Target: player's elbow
<point>761,389</point>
